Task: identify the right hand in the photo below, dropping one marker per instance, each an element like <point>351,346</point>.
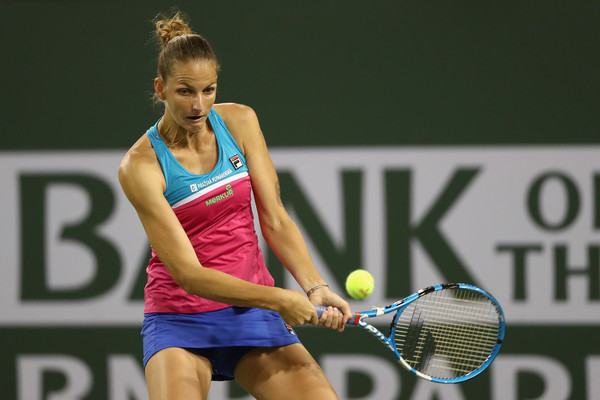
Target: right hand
<point>296,309</point>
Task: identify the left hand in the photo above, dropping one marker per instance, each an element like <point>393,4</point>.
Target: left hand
<point>332,318</point>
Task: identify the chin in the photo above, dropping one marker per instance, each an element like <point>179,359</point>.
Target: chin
<point>195,128</point>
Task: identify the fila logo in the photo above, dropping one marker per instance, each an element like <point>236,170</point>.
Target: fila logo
<point>236,162</point>
<point>290,330</point>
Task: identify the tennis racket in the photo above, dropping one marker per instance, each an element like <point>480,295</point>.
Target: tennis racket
<point>447,333</point>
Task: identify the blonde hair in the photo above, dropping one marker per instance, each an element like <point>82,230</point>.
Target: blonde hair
<point>179,44</point>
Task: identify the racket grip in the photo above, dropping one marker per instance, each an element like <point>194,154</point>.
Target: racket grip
<point>351,321</point>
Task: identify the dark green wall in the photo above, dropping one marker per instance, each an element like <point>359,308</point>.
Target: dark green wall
<point>78,74</point>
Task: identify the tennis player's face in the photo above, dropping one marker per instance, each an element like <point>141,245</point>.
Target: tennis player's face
<point>189,93</point>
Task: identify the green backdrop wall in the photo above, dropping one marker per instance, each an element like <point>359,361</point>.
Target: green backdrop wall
<point>431,72</point>
<point>479,120</point>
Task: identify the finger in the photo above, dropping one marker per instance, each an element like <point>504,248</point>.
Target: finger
<point>327,317</point>
<point>339,323</point>
<point>347,313</point>
<point>314,319</point>
<point>323,317</point>
<point>335,318</point>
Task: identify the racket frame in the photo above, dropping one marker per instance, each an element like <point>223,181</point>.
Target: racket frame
<point>399,306</point>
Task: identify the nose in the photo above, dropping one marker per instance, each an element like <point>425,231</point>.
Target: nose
<point>197,104</point>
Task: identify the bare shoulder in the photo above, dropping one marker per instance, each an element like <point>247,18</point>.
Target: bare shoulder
<point>233,113</point>
<point>140,167</point>
<point>242,122</point>
<point>140,154</point>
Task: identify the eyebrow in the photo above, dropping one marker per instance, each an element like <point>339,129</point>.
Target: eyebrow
<point>179,82</point>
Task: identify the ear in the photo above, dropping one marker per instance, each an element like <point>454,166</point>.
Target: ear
<point>159,88</point>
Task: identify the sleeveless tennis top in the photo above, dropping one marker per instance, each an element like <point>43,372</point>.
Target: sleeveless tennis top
<point>215,212</point>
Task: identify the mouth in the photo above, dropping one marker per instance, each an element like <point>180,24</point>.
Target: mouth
<point>195,118</point>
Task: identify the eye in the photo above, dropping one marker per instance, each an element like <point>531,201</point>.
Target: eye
<point>209,90</point>
<point>183,91</point>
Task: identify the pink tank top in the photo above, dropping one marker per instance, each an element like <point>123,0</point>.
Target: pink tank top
<point>215,212</point>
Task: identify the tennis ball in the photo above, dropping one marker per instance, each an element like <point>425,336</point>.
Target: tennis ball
<point>359,284</point>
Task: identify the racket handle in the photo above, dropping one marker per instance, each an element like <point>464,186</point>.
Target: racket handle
<point>351,321</point>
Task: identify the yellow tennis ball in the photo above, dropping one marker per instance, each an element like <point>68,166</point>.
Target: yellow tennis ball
<point>359,284</point>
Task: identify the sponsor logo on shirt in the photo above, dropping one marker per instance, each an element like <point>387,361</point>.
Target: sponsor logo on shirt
<point>194,187</point>
<point>236,162</point>
<point>228,192</point>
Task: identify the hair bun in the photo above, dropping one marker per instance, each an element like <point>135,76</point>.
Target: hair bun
<point>179,44</point>
<point>169,28</point>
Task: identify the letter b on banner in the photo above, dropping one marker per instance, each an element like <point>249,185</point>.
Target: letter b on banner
<point>84,233</point>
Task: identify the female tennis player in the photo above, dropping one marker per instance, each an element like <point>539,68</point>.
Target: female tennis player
<point>211,309</point>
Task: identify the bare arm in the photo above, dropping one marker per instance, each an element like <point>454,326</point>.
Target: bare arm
<point>278,229</point>
<point>142,181</point>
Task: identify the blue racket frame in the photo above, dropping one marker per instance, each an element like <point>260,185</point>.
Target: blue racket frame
<point>399,306</point>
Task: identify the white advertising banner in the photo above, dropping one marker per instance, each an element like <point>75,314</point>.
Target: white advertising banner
<point>522,222</point>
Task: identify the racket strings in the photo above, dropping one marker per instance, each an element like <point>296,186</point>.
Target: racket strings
<point>447,333</point>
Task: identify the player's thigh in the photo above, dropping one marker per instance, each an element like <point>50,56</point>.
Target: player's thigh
<point>283,373</point>
<point>176,373</point>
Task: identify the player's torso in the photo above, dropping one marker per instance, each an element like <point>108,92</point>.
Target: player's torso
<point>215,211</point>
<point>203,200</point>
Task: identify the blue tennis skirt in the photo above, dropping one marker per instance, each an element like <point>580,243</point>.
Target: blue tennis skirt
<point>223,336</point>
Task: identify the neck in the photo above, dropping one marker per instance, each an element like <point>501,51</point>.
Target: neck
<point>173,134</point>
<point>177,137</point>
